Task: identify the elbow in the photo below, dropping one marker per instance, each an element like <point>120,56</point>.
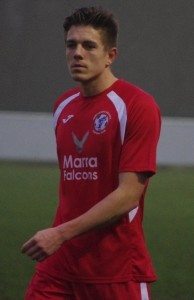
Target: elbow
<point>130,203</point>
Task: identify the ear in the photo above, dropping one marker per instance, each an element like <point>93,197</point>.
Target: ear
<point>111,55</point>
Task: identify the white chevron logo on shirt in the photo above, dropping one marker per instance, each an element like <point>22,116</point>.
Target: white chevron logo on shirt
<point>80,143</point>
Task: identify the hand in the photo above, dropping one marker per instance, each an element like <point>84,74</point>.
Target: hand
<point>43,244</point>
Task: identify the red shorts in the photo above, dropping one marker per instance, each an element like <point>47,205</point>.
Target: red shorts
<point>45,287</point>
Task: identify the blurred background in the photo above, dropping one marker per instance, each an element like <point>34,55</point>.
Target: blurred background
<point>156,47</point>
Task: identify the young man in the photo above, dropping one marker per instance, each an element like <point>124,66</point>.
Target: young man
<point>106,133</point>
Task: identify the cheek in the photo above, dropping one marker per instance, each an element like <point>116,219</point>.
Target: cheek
<point>68,58</point>
<point>67,54</point>
<point>99,60</point>
<point>100,63</point>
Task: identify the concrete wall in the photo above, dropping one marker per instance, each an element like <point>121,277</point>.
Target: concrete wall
<point>156,46</point>
<point>30,136</point>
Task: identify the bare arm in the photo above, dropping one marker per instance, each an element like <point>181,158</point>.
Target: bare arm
<point>121,201</point>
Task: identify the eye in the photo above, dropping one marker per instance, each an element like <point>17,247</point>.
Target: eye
<point>70,44</point>
<point>88,45</point>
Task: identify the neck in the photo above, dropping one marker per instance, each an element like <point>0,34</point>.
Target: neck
<point>97,85</point>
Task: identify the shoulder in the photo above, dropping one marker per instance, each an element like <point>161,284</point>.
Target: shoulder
<point>65,97</point>
<point>135,97</point>
<point>131,91</point>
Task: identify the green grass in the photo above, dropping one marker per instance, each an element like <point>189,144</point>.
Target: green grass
<point>169,227</point>
<point>28,201</point>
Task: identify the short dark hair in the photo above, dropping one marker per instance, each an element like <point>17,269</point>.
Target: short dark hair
<point>97,18</point>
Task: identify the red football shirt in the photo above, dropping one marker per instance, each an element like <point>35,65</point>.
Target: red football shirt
<point>97,138</point>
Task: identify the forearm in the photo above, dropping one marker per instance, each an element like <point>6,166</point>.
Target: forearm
<point>47,241</point>
<point>109,209</point>
<point>106,211</point>
<point>119,202</point>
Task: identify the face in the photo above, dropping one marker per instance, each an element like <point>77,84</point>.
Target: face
<point>87,57</point>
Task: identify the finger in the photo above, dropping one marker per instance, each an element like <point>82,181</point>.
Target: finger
<point>38,255</point>
<point>29,244</point>
<point>33,250</point>
<point>41,259</point>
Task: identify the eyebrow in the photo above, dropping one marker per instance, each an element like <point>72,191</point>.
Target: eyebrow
<point>84,41</point>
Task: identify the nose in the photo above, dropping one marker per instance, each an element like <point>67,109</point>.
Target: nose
<point>78,53</point>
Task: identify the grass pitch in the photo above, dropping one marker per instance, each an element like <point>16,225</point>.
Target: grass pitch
<point>29,197</point>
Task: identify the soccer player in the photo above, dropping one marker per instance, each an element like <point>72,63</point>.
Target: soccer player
<point>107,132</point>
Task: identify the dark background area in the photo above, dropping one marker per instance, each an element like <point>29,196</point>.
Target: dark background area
<point>155,51</point>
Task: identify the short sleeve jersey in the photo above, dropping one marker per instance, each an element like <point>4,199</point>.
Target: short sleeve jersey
<point>97,138</point>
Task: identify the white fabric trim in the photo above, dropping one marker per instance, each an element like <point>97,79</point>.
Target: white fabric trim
<point>133,213</point>
<point>121,110</point>
<point>61,107</point>
<point>144,291</point>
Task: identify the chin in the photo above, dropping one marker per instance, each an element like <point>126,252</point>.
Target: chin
<point>79,78</point>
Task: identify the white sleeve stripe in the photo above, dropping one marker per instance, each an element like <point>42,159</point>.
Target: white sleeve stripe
<point>132,214</point>
<point>121,110</point>
<point>61,107</point>
<point>144,291</point>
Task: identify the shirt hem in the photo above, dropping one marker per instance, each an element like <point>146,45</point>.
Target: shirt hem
<point>98,280</point>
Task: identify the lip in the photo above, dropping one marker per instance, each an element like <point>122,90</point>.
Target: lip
<point>77,66</point>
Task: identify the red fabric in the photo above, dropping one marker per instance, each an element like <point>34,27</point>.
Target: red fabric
<point>44,287</point>
<point>92,150</point>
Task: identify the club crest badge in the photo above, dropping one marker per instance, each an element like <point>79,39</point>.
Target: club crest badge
<point>101,121</point>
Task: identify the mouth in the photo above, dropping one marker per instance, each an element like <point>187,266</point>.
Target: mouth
<point>77,66</point>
